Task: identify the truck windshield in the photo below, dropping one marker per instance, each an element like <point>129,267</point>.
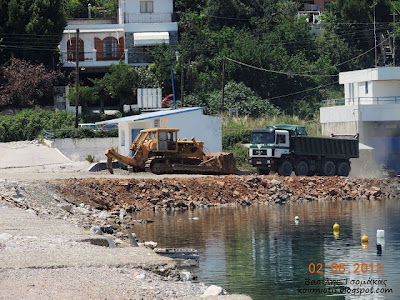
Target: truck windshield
<point>262,138</point>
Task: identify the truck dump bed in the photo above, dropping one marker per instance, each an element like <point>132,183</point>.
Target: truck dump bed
<point>320,146</point>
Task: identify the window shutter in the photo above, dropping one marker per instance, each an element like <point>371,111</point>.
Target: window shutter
<point>98,45</point>
<point>121,48</point>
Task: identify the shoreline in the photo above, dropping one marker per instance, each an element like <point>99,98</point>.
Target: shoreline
<point>53,263</point>
<point>88,204</point>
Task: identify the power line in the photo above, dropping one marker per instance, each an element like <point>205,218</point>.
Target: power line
<point>277,72</point>
<point>304,91</point>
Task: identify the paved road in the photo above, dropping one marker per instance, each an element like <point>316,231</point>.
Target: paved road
<point>29,154</point>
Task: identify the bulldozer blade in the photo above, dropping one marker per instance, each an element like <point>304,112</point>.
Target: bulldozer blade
<point>109,165</point>
<point>225,162</point>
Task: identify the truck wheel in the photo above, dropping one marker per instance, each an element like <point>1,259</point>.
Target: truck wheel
<point>262,171</point>
<point>328,168</point>
<point>343,169</point>
<point>301,168</point>
<point>285,169</point>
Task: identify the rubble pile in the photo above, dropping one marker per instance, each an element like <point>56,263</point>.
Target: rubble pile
<point>190,193</point>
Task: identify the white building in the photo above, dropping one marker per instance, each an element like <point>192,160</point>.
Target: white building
<point>191,122</point>
<point>371,107</point>
<point>102,42</point>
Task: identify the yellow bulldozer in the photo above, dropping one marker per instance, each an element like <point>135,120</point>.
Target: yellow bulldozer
<point>159,151</point>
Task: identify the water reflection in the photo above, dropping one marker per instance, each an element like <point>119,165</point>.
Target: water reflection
<point>261,251</point>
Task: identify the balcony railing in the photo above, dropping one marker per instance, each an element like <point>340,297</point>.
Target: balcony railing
<point>312,7</point>
<point>361,101</point>
<point>92,58</point>
<point>146,18</point>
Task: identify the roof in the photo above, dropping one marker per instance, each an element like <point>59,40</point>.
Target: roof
<point>373,74</point>
<point>151,115</point>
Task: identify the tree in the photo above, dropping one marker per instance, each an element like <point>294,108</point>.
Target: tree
<point>31,29</point>
<point>353,22</point>
<point>26,84</point>
<point>164,57</point>
<point>121,83</point>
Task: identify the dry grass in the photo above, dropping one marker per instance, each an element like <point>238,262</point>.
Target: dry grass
<point>242,123</point>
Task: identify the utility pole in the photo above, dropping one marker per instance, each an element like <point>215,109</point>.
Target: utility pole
<point>223,84</point>
<point>182,80</point>
<point>77,78</point>
<point>394,40</point>
<point>376,50</point>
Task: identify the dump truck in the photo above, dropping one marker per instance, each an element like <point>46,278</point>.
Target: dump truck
<point>160,151</point>
<point>283,150</point>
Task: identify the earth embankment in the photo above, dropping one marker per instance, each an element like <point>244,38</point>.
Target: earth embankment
<point>189,193</point>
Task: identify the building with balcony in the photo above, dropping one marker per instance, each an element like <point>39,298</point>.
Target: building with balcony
<point>371,107</point>
<point>138,26</point>
<point>312,9</point>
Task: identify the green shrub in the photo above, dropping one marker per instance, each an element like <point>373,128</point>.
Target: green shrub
<point>90,158</point>
<point>240,152</point>
<point>81,133</point>
<point>28,124</point>
<point>232,137</point>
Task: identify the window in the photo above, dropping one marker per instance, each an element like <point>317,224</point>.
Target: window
<point>146,7</point>
<point>71,50</point>
<point>123,138</point>
<point>281,139</point>
<point>366,87</point>
<point>110,46</point>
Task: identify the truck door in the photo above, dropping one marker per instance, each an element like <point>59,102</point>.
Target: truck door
<point>282,142</point>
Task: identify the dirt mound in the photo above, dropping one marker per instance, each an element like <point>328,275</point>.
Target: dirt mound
<point>184,193</point>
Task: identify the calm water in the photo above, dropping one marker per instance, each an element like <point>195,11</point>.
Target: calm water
<point>260,251</point>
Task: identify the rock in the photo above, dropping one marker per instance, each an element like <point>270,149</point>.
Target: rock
<point>213,290</point>
<point>67,207</point>
<point>140,276</point>
<point>150,244</point>
<point>104,215</point>
<point>122,213</point>
<point>274,182</point>
<point>185,275</point>
<point>245,202</point>
<point>96,230</point>
<point>107,229</point>
<point>142,184</point>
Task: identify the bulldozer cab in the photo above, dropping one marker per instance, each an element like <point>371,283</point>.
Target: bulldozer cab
<point>159,139</point>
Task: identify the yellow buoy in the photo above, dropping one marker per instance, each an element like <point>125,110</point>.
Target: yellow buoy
<point>336,226</point>
<point>364,239</point>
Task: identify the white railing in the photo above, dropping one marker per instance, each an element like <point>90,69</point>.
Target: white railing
<point>361,101</point>
<point>312,7</point>
<point>91,57</point>
<point>146,18</point>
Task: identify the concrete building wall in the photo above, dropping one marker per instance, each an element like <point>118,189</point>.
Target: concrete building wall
<point>79,149</point>
<point>202,127</point>
<point>160,6</point>
<point>339,114</point>
<point>385,88</point>
<point>190,124</point>
<point>339,128</point>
